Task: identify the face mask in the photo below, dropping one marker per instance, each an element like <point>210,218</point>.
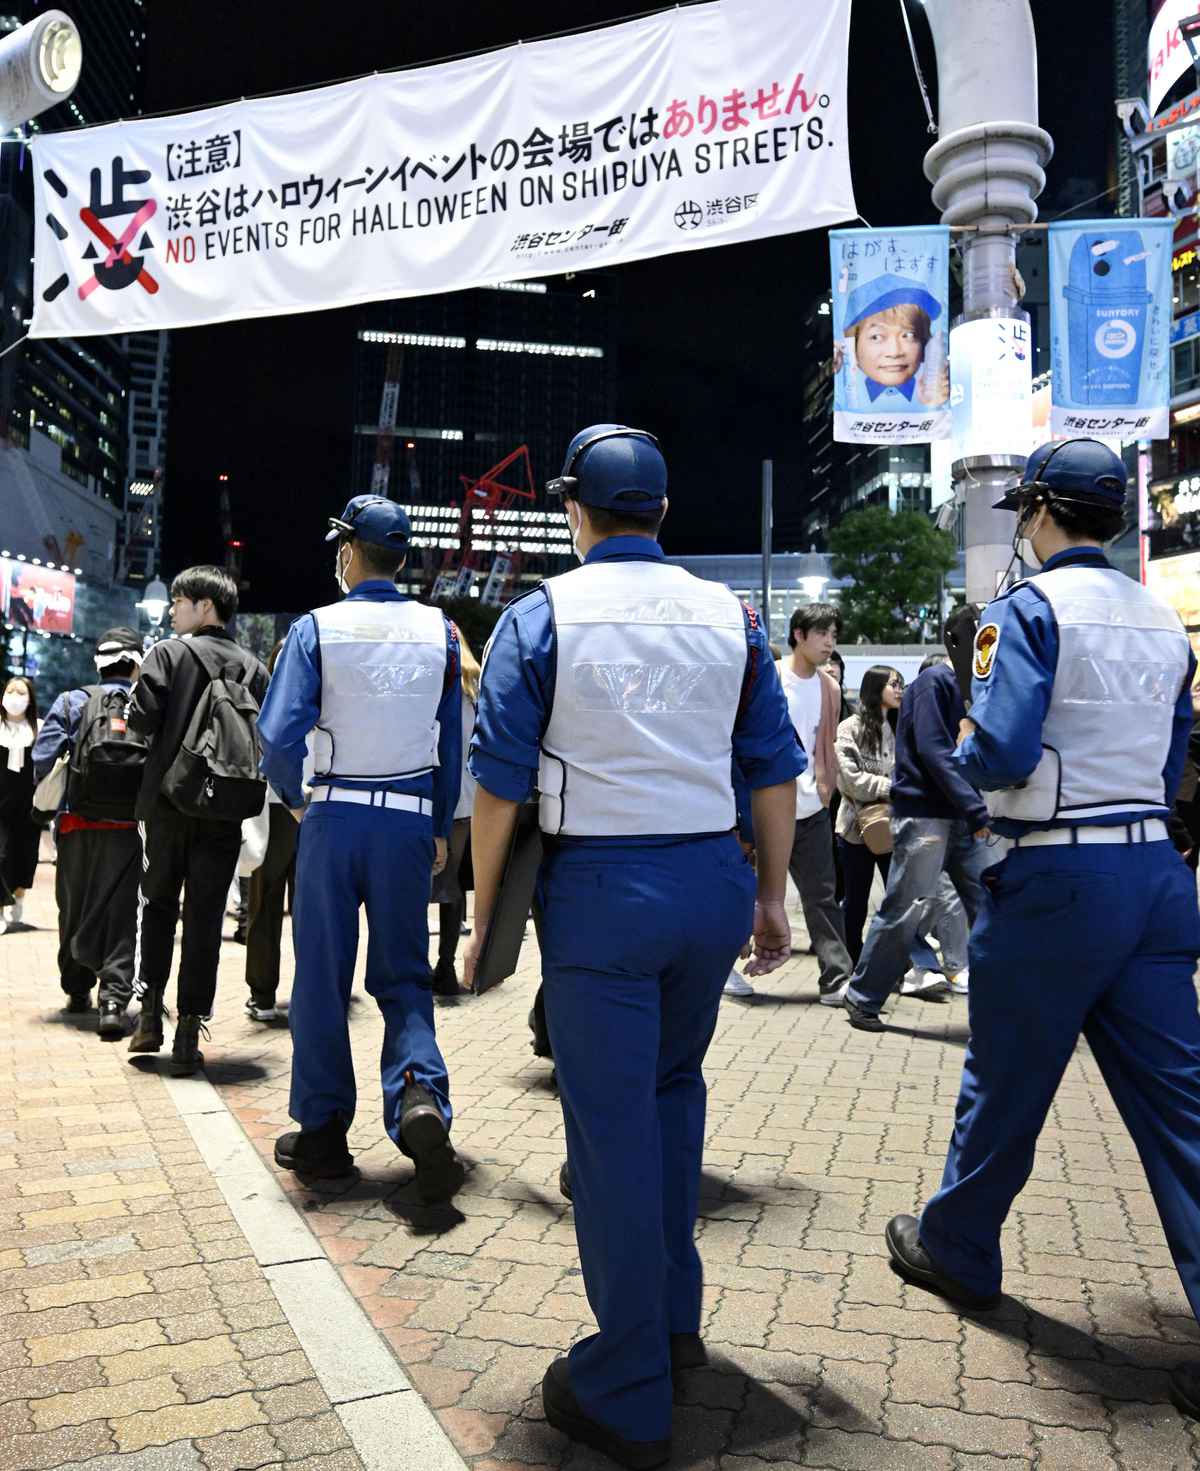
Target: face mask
<point>575,530</point>
<point>15,705</point>
<point>1025,544</point>
<point>339,572</point>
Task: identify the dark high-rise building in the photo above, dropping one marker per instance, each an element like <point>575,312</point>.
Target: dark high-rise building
<point>64,403</point>
<point>468,377</point>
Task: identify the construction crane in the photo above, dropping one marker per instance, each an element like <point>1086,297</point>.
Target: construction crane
<point>393,371</point>
<point>488,494</point>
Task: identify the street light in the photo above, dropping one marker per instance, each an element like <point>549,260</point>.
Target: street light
<point>154,604</point>
<point>39,67</point>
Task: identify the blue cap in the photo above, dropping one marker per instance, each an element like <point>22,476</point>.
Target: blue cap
<point>614,467</point>
<point>375,519</point>
<point>1082,470</point>
<point>886,291</point>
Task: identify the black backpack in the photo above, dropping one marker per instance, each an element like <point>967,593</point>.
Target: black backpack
<point>108,760</point>
<point>215,773</point>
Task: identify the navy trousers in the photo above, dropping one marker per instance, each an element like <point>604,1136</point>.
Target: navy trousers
<point>638,942</point>
<point>1098,940</point>
<point>351,856</point>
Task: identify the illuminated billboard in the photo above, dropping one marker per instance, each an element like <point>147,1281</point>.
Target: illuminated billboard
<point>1177,579</point>
<point>41,599</point>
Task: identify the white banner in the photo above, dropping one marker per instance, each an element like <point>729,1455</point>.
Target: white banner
<point>693,127</point>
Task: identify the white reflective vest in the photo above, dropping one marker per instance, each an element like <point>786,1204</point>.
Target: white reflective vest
<point>1122,661</point>
<point>649,675</point>
<point>383,668</point>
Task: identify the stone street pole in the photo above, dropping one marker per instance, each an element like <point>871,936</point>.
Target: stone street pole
<point>987,171</point>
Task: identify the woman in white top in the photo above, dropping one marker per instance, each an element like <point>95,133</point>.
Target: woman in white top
<point>19,835</point>
<point>449,888</point>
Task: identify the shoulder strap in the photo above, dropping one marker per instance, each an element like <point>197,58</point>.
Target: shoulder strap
<point>751,627</point>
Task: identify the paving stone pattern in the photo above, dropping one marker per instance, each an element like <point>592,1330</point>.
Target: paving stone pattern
<point>136,1326</point>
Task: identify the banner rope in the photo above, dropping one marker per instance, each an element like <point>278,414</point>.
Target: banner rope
<point>24,337</point>
<point>912,48</point>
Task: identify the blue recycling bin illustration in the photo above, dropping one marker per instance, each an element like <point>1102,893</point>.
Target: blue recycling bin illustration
<point>1107,316</point>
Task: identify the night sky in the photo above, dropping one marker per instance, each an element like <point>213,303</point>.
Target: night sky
<point>709,342</point>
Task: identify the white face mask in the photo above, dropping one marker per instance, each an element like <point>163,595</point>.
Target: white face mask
<point>1025,545</point>
<point>15,705</point>
<point>575,530</point>
<point>339,572</point>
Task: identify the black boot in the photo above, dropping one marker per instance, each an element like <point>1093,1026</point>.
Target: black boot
<point>564,1412</point>
<point>564,1181</point>
<point>445,978</point>
<point>186,1057</point>
<point>537,1025</point>
<point>912,1261</point>
<point>148,1034</point>
<point>427,1140</point>
<point>320,1154</point>
<point>78,1005</point>
<point>111,1025</point>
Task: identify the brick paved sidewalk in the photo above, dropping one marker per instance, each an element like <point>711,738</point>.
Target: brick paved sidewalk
<point>820,1356</point>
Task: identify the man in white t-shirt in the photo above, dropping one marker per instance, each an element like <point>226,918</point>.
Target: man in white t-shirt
<point>814,702</point>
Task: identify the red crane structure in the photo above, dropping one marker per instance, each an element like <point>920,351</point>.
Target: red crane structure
<point>489,494</point>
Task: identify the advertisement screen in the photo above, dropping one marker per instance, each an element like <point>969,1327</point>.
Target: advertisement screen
<point>1177,579</point>
<point>38,598</point>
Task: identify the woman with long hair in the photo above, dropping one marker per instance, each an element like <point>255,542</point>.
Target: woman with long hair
<point>19,836</point>
<point>450,886</point>
<point>866,754</point>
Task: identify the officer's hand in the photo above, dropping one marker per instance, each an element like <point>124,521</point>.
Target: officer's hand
<point>471,958</point>
<point>440,852</point>
<point>297,813</point>
<point>965,728</point>
<point>984,834</point>
<point>772,938</point>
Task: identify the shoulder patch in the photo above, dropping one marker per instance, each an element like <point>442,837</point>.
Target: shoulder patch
<point>987,640</point>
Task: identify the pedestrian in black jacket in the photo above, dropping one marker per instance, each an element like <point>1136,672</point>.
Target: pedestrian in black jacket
<point>179,852</point>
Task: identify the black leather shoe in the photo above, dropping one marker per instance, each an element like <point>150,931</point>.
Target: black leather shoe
<point>687,1352</point>
<point>863,1021</point>
<point>537,1025</point>
<point>111,1025</point>
<point>427,1141</point>
<point>148,1034</point>
<point>1185,1390</point>
<point>564,1413</point>
<point>186,1057</point>
<point>564,1181</point>
<point>320,1154</point>
<point>445,979</point>
<point>915,1264</point>
<point>78,1005</point>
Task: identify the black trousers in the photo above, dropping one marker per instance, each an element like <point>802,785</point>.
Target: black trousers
<point>199,859</point>
<point>451,895</point>
<point>858,871</point>
<point>96,886</point>
<point>268,888</point>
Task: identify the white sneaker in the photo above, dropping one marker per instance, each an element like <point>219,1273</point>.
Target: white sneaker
<point>836,996</point>
<point>15,911</point>
<point>960,983</point>
<point>737,985</point>
<point>262,1013</point>
<point>923,983</point>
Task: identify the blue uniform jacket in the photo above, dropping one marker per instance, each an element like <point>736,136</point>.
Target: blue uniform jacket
<point>516,697</point>
<point>293,707</point>
<point>1009,707</point>
<point>61,725</point>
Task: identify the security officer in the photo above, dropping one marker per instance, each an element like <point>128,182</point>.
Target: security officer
<point>375,680</point>
<point>622,690</point>
<point>1077,732</point>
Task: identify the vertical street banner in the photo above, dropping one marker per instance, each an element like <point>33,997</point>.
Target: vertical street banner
<point>1110,318</point>
<point>696,126</point>
<point>891,292</point>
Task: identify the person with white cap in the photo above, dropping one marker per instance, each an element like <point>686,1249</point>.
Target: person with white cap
<point>99,852</point>
<point>375,681</point>
<point>1077,733</point>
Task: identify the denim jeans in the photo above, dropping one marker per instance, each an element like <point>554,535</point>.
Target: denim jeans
<point>944,915</point>
<point>923,847</point>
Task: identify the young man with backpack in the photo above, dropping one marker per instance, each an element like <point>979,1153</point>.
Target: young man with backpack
<point>197,703</point>
<point>99,855</point>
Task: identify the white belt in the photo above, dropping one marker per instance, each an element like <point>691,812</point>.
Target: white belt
<point>396,801</point>
<point>1144,830</point>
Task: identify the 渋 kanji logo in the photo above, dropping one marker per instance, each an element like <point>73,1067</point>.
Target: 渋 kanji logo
<point>115,266</point>
<point>689,215</point>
